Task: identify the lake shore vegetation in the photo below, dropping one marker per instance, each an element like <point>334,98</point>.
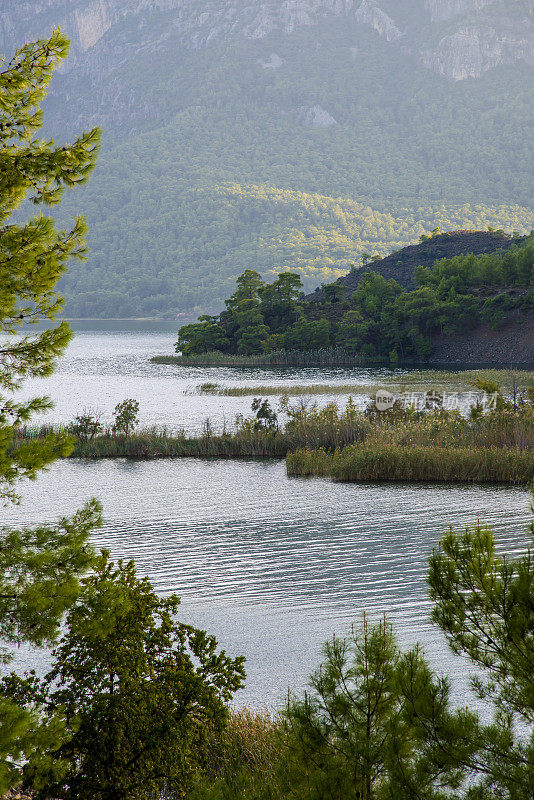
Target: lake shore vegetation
<point>350,443</point>
<point>380,321</point>
<point>320,357</point>
<point>372,462</point>
<point>511,381</point>
<point>137,691</point>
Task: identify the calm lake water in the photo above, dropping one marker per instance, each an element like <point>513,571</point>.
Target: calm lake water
<point>105,364</point>
<point>273,566</point>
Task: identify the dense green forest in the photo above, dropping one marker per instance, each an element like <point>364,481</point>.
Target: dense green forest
<point>218,169</point>
<point>247,227</point>
<point>379,321</point>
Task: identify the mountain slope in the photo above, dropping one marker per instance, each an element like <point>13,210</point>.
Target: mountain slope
<point>404,107</point>
<point>401,265</point>
<point>191,244</point>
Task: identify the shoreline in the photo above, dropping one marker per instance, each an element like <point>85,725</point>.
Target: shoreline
<point>278,360</point>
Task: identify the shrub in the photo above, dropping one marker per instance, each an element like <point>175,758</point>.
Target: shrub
<point>126,416</point>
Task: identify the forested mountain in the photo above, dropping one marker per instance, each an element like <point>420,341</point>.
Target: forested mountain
<point>282,134</point>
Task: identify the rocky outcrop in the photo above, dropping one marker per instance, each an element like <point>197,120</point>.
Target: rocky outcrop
<point>106,33</point>
<point>447,9</point>
<point>254,20</point>
<point>85,23</point>
<point>315,117</point>
<point>511,345</point>
<point>370,14</point>
<point>273,63</point>
<point>466,52</point>
<point>471,51</point>
<point>92,23</point>
<point>195,24</point>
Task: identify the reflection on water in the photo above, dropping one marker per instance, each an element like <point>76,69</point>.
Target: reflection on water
<point>273,566</point>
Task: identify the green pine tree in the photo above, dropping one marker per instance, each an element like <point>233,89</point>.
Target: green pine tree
<point>140,691</point>
<point>39,568</point>
<point>376,725</point>
<point>484,603</point>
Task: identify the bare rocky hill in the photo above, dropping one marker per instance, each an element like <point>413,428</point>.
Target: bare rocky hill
<point>512,345</point>
<point>401,265</point>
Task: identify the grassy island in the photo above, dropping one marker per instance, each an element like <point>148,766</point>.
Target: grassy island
<point>369,463</point>
<point>495,445</point>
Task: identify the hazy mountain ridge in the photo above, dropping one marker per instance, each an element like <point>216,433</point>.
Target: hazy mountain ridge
<point>503,34</point>
<point>319,98</point>
<point>446,9</point>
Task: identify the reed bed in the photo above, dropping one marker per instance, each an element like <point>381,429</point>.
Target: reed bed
<point>409,382</point>
<point>506,428</point>
<point>142,446</point>
<point>348,444</point>
<point>372,463</point>
<point>243,760</point>
<point>461,378</point>
<point>245,442</point>
<point>307,427</point>
<point>288,390</point>
<point>328,357</point>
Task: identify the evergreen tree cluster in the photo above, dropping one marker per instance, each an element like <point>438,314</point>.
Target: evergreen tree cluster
<point>168,262</point>
<point>379,321</point>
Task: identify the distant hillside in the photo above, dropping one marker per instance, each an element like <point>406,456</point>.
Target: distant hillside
<point>274,134</point>
<point>187,252</point>
<point>401,265</point>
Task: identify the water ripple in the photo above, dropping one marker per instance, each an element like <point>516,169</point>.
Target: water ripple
<point>274,565</point>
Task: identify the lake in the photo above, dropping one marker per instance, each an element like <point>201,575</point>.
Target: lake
<point>106,363</point>
<point>273,566</point>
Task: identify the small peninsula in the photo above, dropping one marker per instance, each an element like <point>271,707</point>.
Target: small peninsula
<point>457,298</point>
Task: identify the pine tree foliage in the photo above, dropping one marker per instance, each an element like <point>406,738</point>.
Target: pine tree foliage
<point>376,725</point>
<point>33,256</point>
<point>140,690</point>
<point>39,568</point>
<point>484,603</point>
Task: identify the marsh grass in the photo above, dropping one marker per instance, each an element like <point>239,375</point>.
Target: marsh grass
<point>347,444</point>
<point>329,357</point>
<point>372,463</point>
<point>429,446</point>
<point>415,380</point>
<point>462,379</point>
<point>295,390</point>
<point>245,442</point>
